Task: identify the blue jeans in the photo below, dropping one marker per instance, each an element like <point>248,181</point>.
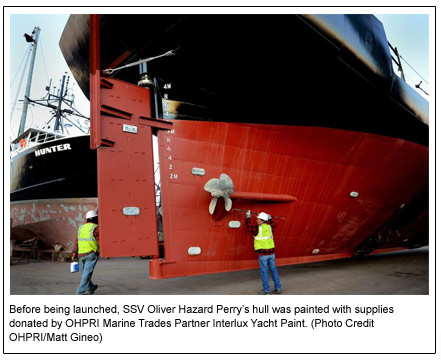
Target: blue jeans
<point>87,265</point>
<point>269,261</point>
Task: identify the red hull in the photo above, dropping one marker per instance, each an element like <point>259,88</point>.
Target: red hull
<point>319,166</point>
<point>346,166</point>
<point>302,174</point>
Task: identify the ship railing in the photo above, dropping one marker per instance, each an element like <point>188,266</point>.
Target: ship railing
<point>32,138</point>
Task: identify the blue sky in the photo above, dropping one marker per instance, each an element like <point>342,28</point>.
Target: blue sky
<point>408,32</point>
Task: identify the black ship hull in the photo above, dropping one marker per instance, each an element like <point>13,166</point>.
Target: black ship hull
<point>63,168</point>
<point>53,185</point>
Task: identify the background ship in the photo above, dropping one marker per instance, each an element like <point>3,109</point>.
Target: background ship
<point>52,174</point>
<point>303,115</point>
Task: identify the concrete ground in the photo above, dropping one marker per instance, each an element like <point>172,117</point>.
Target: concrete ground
<point>398,273</point>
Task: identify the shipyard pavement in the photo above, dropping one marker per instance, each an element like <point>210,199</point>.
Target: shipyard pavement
<point>398,273</point>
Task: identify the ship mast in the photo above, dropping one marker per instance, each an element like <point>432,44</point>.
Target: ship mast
<point>55,101</point>
<point>60,101</point>
<point>34,39</point>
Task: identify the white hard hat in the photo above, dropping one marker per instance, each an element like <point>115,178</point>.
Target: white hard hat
<point>91,214</point>
<point>263,216</point>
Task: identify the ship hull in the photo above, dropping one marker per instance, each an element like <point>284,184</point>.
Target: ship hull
<point>53,185</point>
<point>63,168</point>
<point>52,221</point>
<point>325,137</point>
<point>320,167</point>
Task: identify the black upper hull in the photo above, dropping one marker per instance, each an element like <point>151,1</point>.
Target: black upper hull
<point>280,69</point>
<point>63,168</point>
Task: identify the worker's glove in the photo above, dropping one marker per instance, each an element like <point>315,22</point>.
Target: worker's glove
<point>74,255</point>
<point>248,214</point>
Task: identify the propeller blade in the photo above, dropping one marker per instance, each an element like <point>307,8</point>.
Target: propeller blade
<point>228,203</point>
<point>226,183</point>
<point>211,185</point>
<point>212,205</point>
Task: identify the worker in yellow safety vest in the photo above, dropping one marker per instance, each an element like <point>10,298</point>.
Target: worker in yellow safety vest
<point>87,249</point>
<point>264,246</point>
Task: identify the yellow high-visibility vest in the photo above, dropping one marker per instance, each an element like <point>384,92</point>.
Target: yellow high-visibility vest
<point>264,238</point>
<point>86,240</point>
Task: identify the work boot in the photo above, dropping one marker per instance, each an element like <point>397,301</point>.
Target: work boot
<point>91,290</point>
<point>263,292</point>
<point>277,291</point>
